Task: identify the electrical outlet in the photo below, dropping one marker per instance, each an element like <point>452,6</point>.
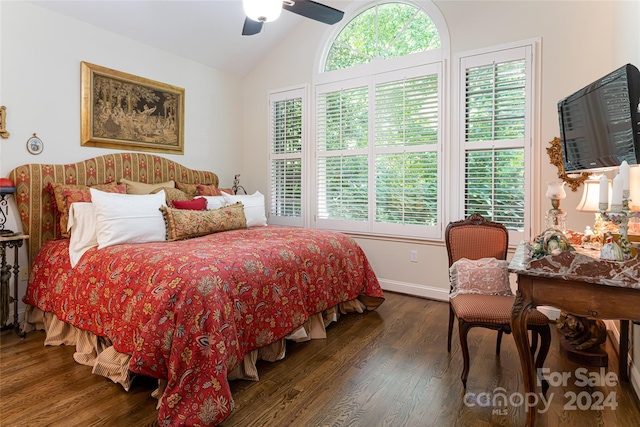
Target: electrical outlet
<point>414,256</point>
<point>24,275</point>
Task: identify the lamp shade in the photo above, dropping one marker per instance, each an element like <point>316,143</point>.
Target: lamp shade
<point>6,186</point>
<point>555,190</point>
<point>262,10</point>
<point>591,196</point>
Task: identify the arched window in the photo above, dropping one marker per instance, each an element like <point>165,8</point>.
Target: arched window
<point>384,31</point>
<point>380,156</point>
<point>379,122</point>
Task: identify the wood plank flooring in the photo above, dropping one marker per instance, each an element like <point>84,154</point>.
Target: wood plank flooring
<point>389,367</point>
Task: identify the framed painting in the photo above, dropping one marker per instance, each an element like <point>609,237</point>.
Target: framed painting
<point>127,112</point>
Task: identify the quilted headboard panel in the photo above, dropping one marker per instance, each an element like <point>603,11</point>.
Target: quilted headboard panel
<point>36,207</point>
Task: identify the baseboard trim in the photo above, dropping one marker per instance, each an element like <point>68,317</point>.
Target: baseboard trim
<point>423,291</point>
<point>20,317</point>
<point>634,373</point>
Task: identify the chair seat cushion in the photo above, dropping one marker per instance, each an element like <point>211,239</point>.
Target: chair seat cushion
<point>478,308</point>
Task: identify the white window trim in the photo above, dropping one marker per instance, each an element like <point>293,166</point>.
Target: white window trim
<point>532,126</point>
<point>281,95</point>
<point>357,7</point>
<point>436,56</point>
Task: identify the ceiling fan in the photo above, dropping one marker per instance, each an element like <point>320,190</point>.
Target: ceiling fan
<point>260,11</point>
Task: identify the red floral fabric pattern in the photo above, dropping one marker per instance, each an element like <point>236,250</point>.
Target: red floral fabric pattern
<point>189,311</point>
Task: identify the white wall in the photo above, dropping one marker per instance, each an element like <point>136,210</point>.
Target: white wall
<point>577,39</point>
<point>41,53</point>
<point>40,85</point>
<point>626,49</point>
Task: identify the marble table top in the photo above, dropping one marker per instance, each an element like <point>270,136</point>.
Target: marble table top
<point>577,266</point>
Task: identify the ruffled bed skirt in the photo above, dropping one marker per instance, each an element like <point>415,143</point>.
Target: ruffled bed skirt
<point>98,352</point>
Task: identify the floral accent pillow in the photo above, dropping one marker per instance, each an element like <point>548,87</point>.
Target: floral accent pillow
<point>191,190</point>
<point>65,194</point>
<point>172,195</point>
<point>487,276</point>
<point>210,190</point>
<point>185,224</point>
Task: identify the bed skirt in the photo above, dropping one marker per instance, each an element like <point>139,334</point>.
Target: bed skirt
<point>98,352</point>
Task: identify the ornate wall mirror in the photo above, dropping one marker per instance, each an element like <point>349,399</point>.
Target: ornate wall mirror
<point>555,157</point>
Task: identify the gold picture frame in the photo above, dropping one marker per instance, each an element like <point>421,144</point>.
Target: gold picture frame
<point>127,112</point>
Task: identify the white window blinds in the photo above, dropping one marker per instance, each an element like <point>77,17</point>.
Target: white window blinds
<point>497,99</point>
<point>377,157</point>
<point>286,161</point>
<point>342,157</point>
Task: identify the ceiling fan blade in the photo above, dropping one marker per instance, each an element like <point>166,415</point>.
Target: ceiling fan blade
<point>251,27</point>
<point>313,10</point>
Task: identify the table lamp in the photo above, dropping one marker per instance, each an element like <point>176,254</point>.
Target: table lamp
<point>556,217</point>
<point>6,188</point>
<point>589,203</point>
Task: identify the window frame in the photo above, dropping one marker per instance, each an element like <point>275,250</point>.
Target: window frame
<point>278,96</point>
<point>530,49</point>
<point>436,57</point>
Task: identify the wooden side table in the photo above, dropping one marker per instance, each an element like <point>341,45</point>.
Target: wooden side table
<point>6,243</point>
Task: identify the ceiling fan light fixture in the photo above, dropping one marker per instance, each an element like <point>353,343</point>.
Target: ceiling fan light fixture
<point>262,10</point>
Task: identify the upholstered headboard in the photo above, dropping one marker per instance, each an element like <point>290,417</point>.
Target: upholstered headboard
<point>36,206</point>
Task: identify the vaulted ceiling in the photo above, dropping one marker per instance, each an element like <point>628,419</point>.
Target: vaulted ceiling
<point>205,31</point>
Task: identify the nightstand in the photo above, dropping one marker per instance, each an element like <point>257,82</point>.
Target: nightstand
<point>7,242</point>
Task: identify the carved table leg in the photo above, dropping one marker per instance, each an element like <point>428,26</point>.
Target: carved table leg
<point>16,278</point>
<point>521,308</point>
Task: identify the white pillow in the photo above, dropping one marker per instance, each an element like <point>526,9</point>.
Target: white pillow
<point>213,202</point>
<point>82,230</point>
<point>253,207</point>
<point>128,218</point>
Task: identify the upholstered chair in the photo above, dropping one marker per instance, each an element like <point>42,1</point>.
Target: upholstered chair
<point>477,239</point>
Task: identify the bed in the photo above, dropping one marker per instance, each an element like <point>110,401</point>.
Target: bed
<point>193,313</point>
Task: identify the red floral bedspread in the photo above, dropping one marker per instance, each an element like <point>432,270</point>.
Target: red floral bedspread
<point>189,311</point>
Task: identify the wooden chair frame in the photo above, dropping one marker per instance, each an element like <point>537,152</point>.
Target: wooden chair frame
<point>464,327</point>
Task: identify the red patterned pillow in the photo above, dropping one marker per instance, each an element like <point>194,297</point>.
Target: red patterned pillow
<point>62,193</point>
<point>193,205</point>
<point>211,190</point>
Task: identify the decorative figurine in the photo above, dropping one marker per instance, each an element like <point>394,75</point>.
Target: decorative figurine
<point>587,238</point>
<point>582,333</point>
<point>550,242</point>
<point>611,250</point>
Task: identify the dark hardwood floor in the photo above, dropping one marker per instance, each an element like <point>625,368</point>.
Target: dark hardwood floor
<point>389,367</point>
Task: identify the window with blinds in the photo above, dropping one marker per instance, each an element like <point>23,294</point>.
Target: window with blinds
<point>497,99</point>
<point>342,131</point>
<point>378,154</point>
<point>406,140</point>
<point>286,161</point>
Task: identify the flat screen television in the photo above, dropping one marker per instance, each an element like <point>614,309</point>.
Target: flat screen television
<point>600,123</point>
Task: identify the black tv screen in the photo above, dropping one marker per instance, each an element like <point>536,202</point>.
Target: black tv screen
<point>600,123</point>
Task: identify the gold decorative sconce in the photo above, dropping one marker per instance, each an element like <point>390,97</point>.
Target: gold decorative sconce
<point>4,133</point>
<point>555,156</point>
